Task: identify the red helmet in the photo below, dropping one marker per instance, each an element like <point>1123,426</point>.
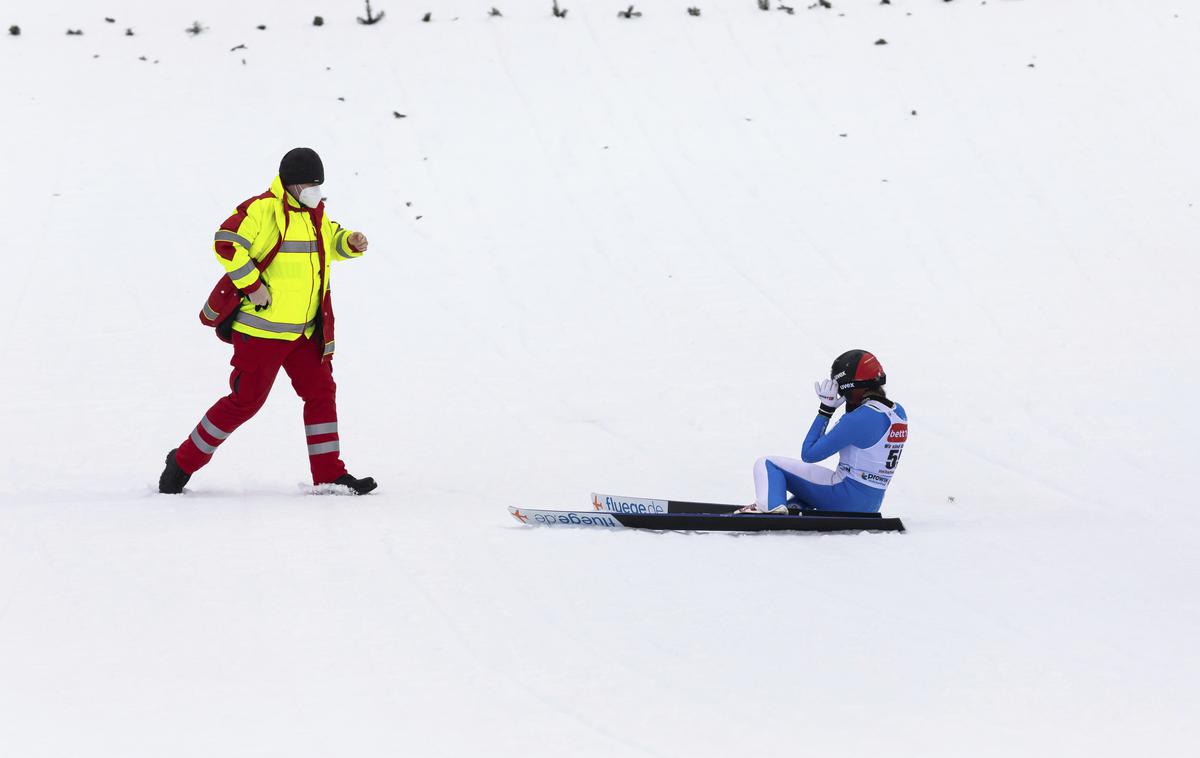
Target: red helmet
<point>857,369</point>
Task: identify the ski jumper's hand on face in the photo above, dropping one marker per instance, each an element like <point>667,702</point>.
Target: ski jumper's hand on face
<point>827,393</point>
<point>358,241</point>
<point>261,297</point>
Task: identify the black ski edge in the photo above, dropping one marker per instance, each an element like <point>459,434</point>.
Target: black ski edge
<point>756,523</point>
<point>683,506</point>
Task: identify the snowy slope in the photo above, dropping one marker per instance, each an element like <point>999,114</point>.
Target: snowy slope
<point>607,254</point>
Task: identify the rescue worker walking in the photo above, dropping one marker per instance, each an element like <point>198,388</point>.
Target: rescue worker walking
<point>276,250</point>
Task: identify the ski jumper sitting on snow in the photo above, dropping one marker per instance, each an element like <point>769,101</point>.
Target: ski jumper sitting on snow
<point>868,440</point>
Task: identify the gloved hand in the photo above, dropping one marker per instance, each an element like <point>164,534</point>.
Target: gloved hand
<point>261,297</point>
<point>358,241</point>
<point>827,392</point>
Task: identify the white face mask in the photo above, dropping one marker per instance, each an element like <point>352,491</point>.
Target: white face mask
<point>310,196</point>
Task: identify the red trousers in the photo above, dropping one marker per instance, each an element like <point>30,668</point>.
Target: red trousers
<point>256,362</point>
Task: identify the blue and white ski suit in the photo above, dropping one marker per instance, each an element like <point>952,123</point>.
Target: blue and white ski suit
<point>869,441</point>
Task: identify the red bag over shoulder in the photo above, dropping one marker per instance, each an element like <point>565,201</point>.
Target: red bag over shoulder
<point>225,300</point>
<point>220,308</point>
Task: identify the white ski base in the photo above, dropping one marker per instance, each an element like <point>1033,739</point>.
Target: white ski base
<point>572,519</point>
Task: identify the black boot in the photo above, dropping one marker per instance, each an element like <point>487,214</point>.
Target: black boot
<point>173,478</point>
<point>359,486</point>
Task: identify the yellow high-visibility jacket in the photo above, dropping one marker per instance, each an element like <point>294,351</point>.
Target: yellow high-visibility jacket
<point>298,283</point>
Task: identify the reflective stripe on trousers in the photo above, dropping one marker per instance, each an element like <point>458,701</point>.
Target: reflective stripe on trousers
<point>213,431</point>
<point>317,430</point>
<point>324,447</point>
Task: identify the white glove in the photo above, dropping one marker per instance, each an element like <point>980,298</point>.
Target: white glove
<point>827,391</point>
<point>261,297</point>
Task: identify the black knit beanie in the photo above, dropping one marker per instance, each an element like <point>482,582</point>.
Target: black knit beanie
<point>301,165</point>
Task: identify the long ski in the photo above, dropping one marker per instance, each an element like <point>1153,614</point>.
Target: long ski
<point>706,522</point>
<point>619,504</point>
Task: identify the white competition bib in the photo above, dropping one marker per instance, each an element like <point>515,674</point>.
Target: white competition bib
<point>874,465</point>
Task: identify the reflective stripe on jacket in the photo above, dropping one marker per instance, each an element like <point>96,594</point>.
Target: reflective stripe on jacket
<point>299,284</point>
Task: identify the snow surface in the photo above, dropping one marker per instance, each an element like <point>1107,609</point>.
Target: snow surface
<point>631,247</point>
